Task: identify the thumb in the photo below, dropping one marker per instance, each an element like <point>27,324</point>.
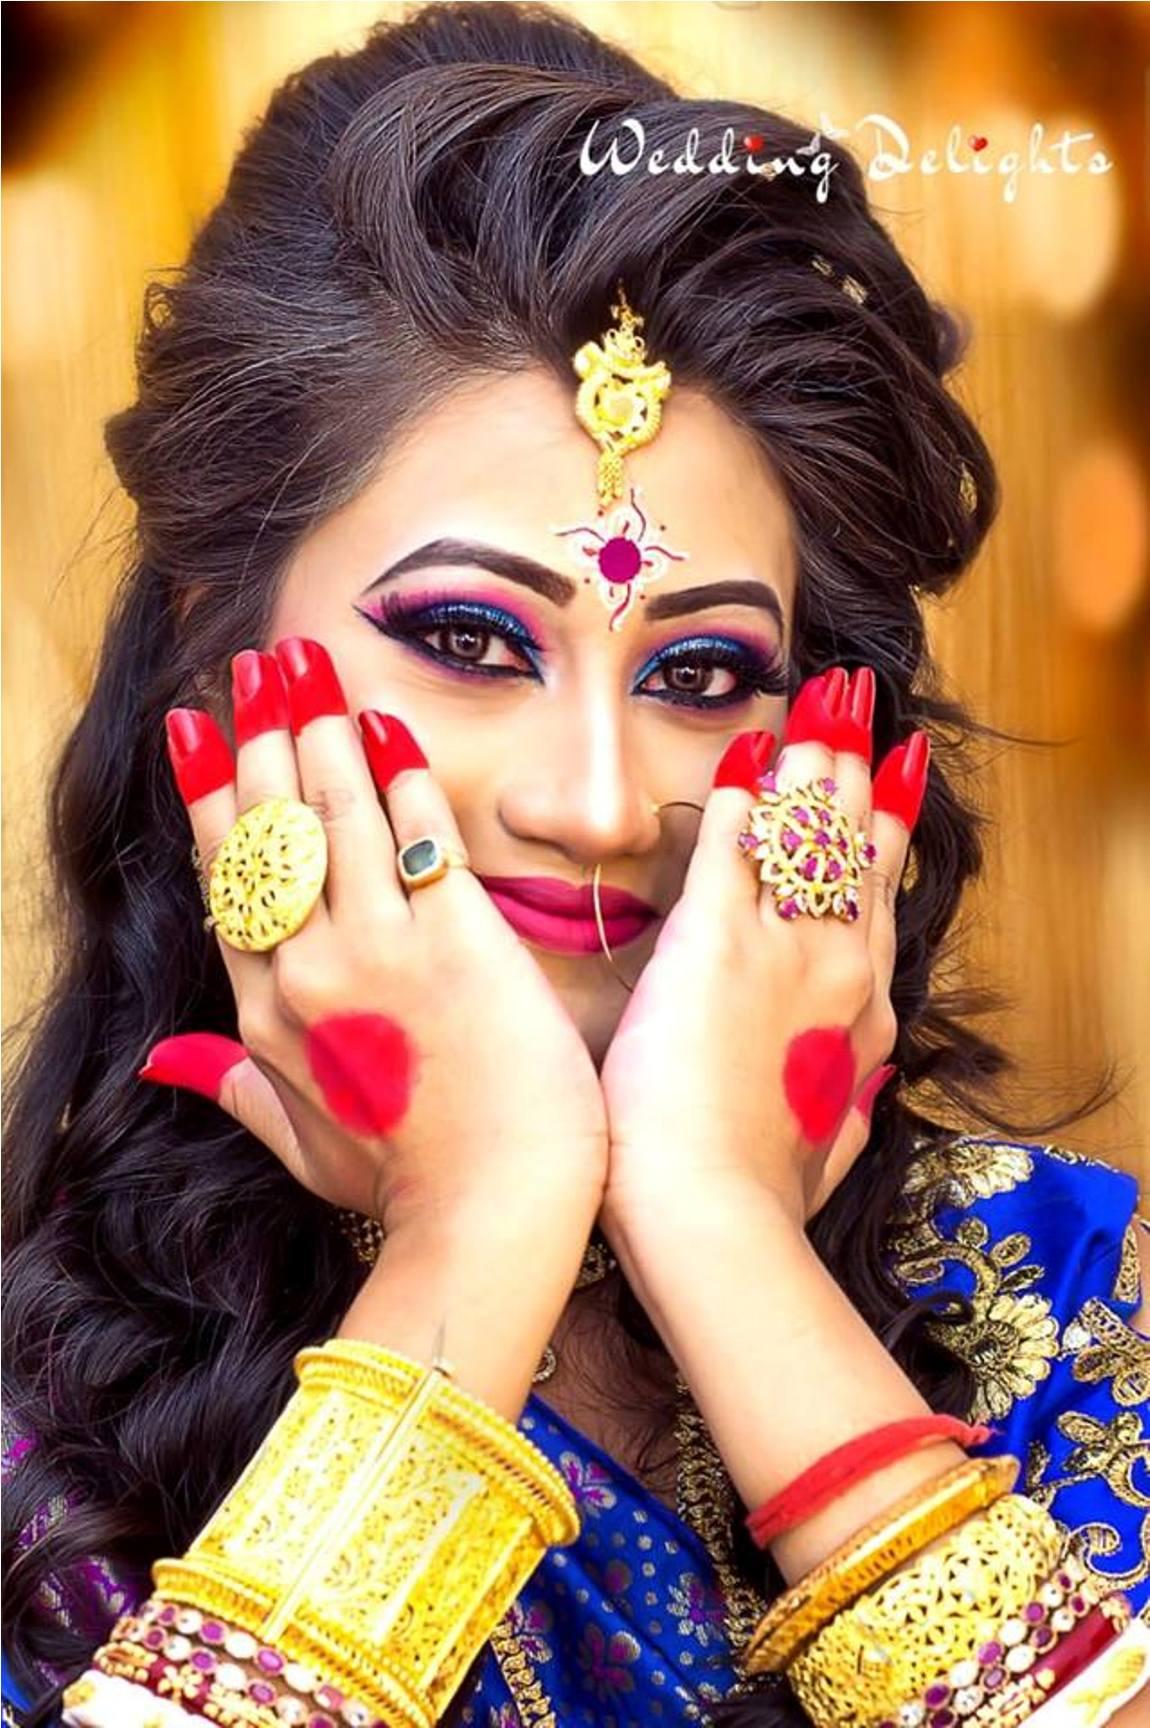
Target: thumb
<point>221,1069</point>
<point>851,1138</point>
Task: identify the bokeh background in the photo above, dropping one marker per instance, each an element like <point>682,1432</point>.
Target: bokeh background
<point>120,122</point>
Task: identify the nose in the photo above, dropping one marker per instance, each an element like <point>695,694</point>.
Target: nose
<point>583,788</point>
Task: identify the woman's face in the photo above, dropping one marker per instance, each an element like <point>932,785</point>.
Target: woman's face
<point>552,733</point>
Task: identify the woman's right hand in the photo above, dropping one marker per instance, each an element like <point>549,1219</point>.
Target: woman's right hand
<point>403,1054</point>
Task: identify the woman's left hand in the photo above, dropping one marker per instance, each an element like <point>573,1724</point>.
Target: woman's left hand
<point>749,1055</point>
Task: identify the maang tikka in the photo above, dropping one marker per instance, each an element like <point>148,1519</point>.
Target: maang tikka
<point>619,402</point>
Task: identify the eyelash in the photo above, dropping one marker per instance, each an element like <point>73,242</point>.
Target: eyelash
<point>408,623</point>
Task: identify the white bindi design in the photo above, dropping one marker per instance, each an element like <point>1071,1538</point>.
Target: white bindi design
<point>619,550</point>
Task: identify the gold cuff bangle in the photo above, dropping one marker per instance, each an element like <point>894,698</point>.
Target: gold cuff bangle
<point>873,1554</point>
<point>381,1531</point>
<point>895,1640</point>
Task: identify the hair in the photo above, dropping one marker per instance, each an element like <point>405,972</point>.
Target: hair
<point>360,266</point>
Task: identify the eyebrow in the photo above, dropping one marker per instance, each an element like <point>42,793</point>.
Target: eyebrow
<point>561,590</point>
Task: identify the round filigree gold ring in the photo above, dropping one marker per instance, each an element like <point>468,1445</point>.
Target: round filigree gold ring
<point>267,875</point>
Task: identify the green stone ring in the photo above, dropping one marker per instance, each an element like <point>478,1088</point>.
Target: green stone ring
<point>425,860</point>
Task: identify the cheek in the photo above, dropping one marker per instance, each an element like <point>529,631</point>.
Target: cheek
<point>364,1064</point>
<point>818,1079</point>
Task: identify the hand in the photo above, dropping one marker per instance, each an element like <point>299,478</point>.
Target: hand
<point>748,1055</point>
<point>403,1055</point>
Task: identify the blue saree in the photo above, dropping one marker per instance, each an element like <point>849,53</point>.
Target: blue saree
<point>637,1621</point>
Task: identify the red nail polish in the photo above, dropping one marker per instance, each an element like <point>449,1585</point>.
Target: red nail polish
<point>862,695</point>
<point>809,719</point>
<point>763,749</point>
<point>259,696</point>
<point>835,687</point>
<point>739,765</point>
<point>901,780</point>
<point>853,719</point>
<point>197,1060</point>
<point>389,747</point>
<point>200,755</point>
<point>871,1087</point>
<point>312,685</point>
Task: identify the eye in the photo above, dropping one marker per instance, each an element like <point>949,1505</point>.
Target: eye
<point>458,635</point>
<point>690,668</point>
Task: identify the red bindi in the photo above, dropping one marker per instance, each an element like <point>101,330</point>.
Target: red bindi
<point>364,1065</point>
<point>818,1079</point>
<point>620,560</point>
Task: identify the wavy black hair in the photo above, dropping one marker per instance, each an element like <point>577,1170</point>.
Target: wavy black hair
<point>402,217</point>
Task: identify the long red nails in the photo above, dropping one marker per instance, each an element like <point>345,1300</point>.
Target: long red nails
<point>746,758</point>
<point>811,719</point>
<point>259,695</point>
<point>200,755</point>
<point>197,1060</point>
<point>900,783</point>
<point>389,747</point>
<point>856,714</point>
<point>871,1087</point>
<point>312,685</point>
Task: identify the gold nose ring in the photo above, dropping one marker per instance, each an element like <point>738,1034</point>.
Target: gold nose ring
<point>596,877</point>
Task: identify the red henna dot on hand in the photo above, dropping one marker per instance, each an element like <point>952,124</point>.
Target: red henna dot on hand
<point>364,1065</point>
<point>818,1079</point>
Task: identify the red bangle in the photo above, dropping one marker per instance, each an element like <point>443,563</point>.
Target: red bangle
<point>831,1475</point>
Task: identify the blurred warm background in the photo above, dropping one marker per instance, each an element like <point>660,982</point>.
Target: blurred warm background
<point>121,121</point>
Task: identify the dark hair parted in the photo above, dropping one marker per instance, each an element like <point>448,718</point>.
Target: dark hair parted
<point>404,216</point>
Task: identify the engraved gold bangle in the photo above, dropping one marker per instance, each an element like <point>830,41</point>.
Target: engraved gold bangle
<point>895,1639</point>
<point>871,1555</point>
<point>380,1532</point>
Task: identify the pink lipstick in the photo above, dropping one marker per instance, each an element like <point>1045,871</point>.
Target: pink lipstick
<point>561,917</point>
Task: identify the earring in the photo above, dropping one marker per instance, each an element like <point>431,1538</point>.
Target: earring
<point>596,876</point>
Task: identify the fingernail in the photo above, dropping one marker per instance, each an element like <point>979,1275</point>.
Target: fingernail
<point>853,720</point>
<point>835,689</point>
<point>862,696</point>
<point>259,695</point>
<point>900,783</point>
<point>312,685</point>
<point>741,762</point>
<point>200,755</point>
<point>196,1060</point>
<point>871,1087</point>
<point>763,749</point>
<point>809,719</point>
<point>389,747</point>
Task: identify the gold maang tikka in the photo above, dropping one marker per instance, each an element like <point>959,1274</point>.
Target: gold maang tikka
<point>619,402</point>
<point>620,399</point>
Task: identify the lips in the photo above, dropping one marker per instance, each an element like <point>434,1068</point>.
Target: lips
<point>556,915</point>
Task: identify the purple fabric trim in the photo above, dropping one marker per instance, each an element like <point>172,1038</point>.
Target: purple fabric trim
<point>92,1594</point>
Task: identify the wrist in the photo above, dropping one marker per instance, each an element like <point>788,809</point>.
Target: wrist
<point>659,1232</point>
<point>482,1283</point>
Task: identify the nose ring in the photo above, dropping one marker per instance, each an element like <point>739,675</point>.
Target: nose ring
<point>596,876</point>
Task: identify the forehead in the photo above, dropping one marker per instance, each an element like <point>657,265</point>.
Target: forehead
<point>504,459</point>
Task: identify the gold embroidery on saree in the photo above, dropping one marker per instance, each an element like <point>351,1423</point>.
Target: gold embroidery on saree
<point>1012,1336</point>
<point>1128,1283</point>
<point>1103,1347</point>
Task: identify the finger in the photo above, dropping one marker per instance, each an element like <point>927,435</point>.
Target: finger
<point>335,780</point>
<point>851,1139</point>
<point>204,770</point>
<point>899,788</point>
<point>221,1069</point>
<point>818,723</point>
<point>718,867</point>
<point>417,808</point>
